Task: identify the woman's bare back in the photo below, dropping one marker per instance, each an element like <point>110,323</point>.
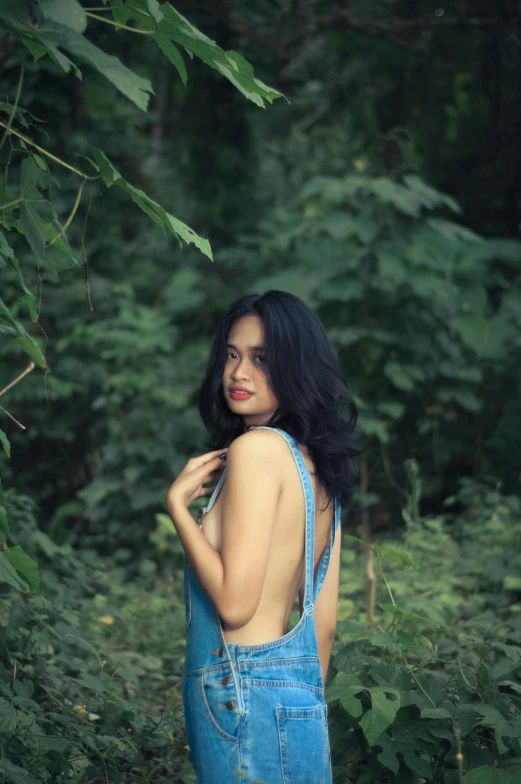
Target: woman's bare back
<point>285,569</point>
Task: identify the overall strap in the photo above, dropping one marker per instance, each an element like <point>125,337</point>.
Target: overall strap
<point>324,562</point>
<point>213,497</point>
<point>309,500</point>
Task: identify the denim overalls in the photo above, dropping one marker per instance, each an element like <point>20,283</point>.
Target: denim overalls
<point>256,713</point>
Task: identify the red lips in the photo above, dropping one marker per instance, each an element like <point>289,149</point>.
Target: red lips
<point>239,393</point>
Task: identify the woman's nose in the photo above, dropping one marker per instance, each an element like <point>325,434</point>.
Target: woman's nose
<point>242,369</point>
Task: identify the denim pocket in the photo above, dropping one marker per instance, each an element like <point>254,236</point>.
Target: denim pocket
<point>219,699</point>
<point>303,744</point>
<point>187,596</point>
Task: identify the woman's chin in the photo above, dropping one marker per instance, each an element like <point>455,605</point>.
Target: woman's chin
<point>238,406</point>
<point>242,409</point>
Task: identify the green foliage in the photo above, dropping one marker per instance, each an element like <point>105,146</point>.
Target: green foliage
<point>439,697</point>
<point>154,210</point>
<point>66,714</point>
<point>330,199</point>
<point>424,313</point>
<point>90,673</point>
<point>48,27</point>
<point>168,25</point>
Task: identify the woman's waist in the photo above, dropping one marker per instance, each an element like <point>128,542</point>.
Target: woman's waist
<point>296,668</point>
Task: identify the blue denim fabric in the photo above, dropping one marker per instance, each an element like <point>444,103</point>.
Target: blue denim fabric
<point>256,714</point>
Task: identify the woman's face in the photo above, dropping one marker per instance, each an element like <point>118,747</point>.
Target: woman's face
<point>245,370</point>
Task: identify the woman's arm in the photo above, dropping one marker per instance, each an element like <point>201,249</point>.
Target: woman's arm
<point>326,607</point>
<point>234,578</point>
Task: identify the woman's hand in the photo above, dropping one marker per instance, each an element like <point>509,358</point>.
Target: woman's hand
<point>197,472</point>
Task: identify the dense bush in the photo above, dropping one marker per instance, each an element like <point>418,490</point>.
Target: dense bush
<point>424,681</point>
<point>430,690</point>
<point>90,669</point>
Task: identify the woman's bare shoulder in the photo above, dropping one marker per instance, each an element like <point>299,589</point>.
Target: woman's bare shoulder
<point>259,444</point>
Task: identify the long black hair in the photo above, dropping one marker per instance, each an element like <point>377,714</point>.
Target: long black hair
<point>304,372</point>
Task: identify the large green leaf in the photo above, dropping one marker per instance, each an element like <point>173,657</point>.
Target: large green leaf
<point>391,408</point>
<point>489,337</point>
<point>21,336</point>
<point>32,227</point>
<point>407,616</point>
<point>488,775</point>
<point>65,12</point>
<point>465,718</point>
<point>24,565</point>
<point>14,15</point>
<point>149,14</point>
<point>5,444</point>
<point>491,717</point>
<point>382,713</point>
<point>335,190</point>
<point>428,196</point>
<point>15,774</point>
<point>4,521</point>
<point>454,231</point>
<point>175,28</point>
<point>17,19</point>
<point>37,50</point>
<point>344,687</point>
<point>30,178</point>
<point>394,193</point>
<point>174,55</point>
<point>135,87</point>
<point>402,559</point>
<point>54,744</point>
<point>155,9</point>
<point>395,675</point>
<point>54,37</point>
<point>9,575</point>
<point>492,250</point>
<point>384,640</point>
<point>403,377</point>
<point>111,176</point>
<point>407,737</point>
<point>7,253</point>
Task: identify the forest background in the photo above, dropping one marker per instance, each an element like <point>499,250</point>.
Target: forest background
<point>384,189</point>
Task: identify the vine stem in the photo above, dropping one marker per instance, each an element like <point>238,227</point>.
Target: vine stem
<point>70,218</point>
<point>22,427</point>
<point>387,584</point>
<point>46,152</point>
<point>27,370</point>
<point>90,646</point>
<point>17,201</point>
<point>120,26</point>
<point>15,106</point>
<point>463,676</point>
<point>371,583</point>
<point>415,679</point>
<point>104,7</point>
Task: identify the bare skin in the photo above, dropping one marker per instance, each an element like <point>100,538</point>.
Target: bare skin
<point>285,570</point>
<point>249,556</point>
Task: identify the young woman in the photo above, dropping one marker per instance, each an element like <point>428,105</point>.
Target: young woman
<point>281,422</point>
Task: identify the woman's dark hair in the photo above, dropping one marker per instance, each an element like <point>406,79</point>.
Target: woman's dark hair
<point>304,372</point>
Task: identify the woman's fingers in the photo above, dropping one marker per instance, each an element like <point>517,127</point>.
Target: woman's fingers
<point>197,462</point>
<point>205,469</point>
<point>214,475</point>
<point>206,490</point>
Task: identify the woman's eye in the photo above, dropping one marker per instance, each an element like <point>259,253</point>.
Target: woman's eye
<point>230,354</point>
<point>262,359</point>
